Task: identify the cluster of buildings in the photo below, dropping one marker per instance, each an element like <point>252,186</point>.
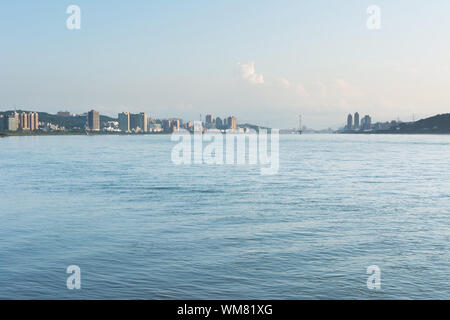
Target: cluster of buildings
<point>229,123</point>
<point>132,123</point>
<point>126,122</point>
<point>19,121</point>
<point>354,124</point>
<point>139,123</point>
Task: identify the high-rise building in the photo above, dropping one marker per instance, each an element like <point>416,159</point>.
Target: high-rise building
<point>219,123</point>
<point>36,121</point>
<point>166,125</point>
<point>143,122</point>
<point>232,123</point>
<point>349,122</point>
<point>356,120</point>
<point>175,125</point>
<point>63,113</point>
<point>366,123</point>
<point>138,122</point>
<point>124,121</point>
<point>190,125</point>
<point>209,119</point>
<point>24,121</point>
<point>94,120</point>
<point>11,122</point>
<point>31,121</point>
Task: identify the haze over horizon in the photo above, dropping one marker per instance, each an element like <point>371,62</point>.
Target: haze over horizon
<point>265,62</point>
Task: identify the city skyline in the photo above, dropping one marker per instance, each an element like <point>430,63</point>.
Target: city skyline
<point>126,122</point>
<point>181,59</point>
<point>133,120</point>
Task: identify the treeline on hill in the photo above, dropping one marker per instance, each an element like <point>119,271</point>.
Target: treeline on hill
<point>72,123</point>
<point>436,124</point>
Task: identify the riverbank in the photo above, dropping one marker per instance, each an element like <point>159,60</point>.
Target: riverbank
<point>397,132</point>
<point>74,133</point>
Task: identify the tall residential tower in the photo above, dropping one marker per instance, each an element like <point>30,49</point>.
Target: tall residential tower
<point>94,120</point>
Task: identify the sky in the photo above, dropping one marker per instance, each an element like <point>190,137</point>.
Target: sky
<point>264,62</point>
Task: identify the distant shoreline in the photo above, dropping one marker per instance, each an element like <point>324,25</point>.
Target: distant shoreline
<point>29,134</point>
<point>395,133</point>
<point>34,134</point>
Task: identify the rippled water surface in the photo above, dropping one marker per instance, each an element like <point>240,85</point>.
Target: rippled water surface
<point>141,227</point>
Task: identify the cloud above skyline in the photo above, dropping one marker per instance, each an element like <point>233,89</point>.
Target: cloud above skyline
<point>248,73</point>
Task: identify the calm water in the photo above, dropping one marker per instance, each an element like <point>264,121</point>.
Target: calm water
<point>141,227</point>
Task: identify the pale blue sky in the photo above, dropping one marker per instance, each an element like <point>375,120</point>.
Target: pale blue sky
<point>183,58</point>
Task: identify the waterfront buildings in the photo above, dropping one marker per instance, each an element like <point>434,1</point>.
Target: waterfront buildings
<point>155,127</point>
<point>209,119</point>
<point>366,123</point>
<point>10,122</point>
<point>19,121</point>
<point>219,123</point>
<point>31,119</point>
<point>356,121</point>
<point>138,122</point>
<point>23,125</point>
<point>232,123</point>
<point>124,121</point>
<point>175,124</point>
<point>93,120</point>
<point>171,125</point>
<point>211,123</point>
<point>349,122</point>
<point>134,122</point>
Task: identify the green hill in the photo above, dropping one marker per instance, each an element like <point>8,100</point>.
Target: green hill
<point>436,124</point>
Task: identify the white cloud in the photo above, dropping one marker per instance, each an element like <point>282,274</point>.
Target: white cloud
<point>301,90</point>
<point>248,73</point>
<point>347,90</point>
<point>284,83</point>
